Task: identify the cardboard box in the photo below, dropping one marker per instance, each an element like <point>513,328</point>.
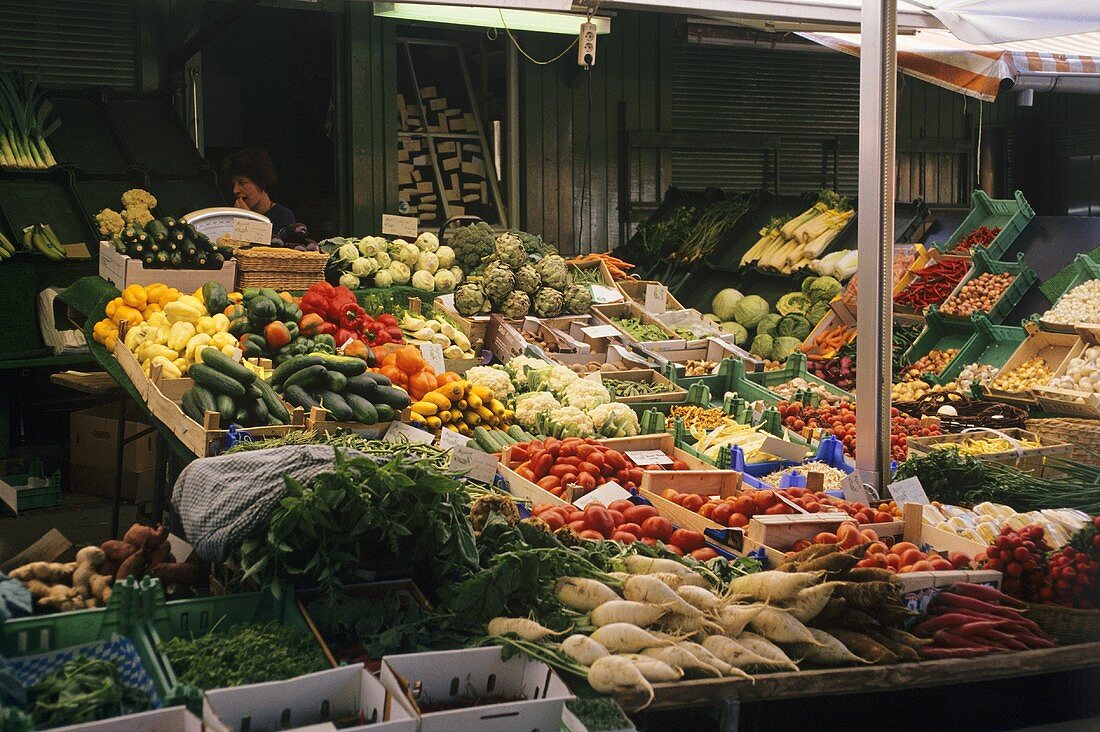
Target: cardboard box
<point>122,271</point>
<point>176,719</point>
<point>416,678</point>
<point>137,486</point>
<point>93,439</point>
<point>308,700</point>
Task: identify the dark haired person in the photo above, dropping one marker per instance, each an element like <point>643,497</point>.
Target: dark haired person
<point>253,177</point>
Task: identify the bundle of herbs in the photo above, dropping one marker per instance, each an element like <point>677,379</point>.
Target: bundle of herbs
<point>84,690</point>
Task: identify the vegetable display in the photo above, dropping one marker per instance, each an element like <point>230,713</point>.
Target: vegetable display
<point>1079,305</point>
<point>639,331</point>
<point>621,388</point>
<point>970,620</point>
<point>840,420</point>
<point>340,385</point>
<point>232,390</point>
<point>1033,372</point>
<point>787,246</point>
<point>160,243</point>
<point>459,405</point>
<point>374,261</point>
<point>932,363</point>
<point>627,523</point>
<point>25,123</point>
<point>335,312</point>
<point>979,295</point>
<point>933,284</point>
<point>982,237</point>
<point>84,690</point>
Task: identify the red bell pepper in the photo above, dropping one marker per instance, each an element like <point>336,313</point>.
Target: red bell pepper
<point>317,298</point>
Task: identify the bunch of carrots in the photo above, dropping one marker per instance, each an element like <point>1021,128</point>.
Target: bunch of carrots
<point>828,342</point>
<point>617,267</point>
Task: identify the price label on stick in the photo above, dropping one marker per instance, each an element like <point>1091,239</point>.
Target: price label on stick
<point>643,458</point>
<point>476,465</point>
<point>600,331</point>
<point>854,490</point>
<point>399,430</point>
<point>656,298</point>
<point>909,490</point>
<point>405,227</point>
<point>432,353</point>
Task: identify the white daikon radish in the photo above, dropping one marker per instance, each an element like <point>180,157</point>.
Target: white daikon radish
<point>773,586</point>
<point>583,649</point>
<point>741,657</point>
<point>626,611</point>
<point>637,564</point>
<point>710,659</point>
<point>522,627</point>
<point>734,618</point>
<point>654,670</point>
<point>827,652</point>
<point>809,602</point>
<point>683,658</point>
<point>616,674</point>
<point>581,594</point>
<point>779,626</point>
<point>626,638</point>
<point>647,588</point>
<point>701,598</point>
<point>761,646</point>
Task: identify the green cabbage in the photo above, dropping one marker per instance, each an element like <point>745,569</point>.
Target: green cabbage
<point>792,302</point>
<point>740,335</point>
<point>767,324</point>
<point>807,284</point>
<point>793,326</point>
<point>762,346</point>
<point>749,310</point>
<point>824,288</point>
<point>724,303</point>
<point>818,311</point>
<point>783,347</point>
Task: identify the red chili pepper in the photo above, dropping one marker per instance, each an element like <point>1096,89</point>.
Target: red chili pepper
<point>983,236</point>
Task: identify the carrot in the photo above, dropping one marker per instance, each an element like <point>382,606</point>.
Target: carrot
<point>986,593</point>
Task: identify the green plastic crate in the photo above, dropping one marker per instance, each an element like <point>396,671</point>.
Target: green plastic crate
<point>1085,269</point>
<point>990,344</point>
<point>984,263</point>
<point>794,368</point>
<point>28,498</point>
<point>731,377</point>
<point>1011,215</point>
<point>940,333</point>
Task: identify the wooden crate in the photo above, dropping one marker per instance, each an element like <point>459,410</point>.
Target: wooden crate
<point>720,483</point>
<point>781,532</point>
<point>1052,347</point>
<point>1069,401</point>
<point>634,290</point>
<point>473,327</point>
<point>941,540</point>
<point>648,376</point>
<point>321,420</point>
<point>605,313</point>
<point>662,441</point>
<point>1027,458</point>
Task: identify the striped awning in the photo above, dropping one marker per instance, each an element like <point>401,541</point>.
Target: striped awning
<point>938,57</point>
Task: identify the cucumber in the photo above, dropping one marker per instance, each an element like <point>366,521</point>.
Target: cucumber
<point>485,440</point>
<point>336,405</point>
<point>472,444</point>
<point>218,361</point>
<point>519,434</point>
<point>292,365</point>
<point>335,381</point>
<point>504,438</point>
<point>396,398</point>
<point>275,407</point>
<point>361,408</point>
<point>191,408</point>
<point>308,377</point>
<point>346,365</point>
<point>204,400</point>
<point>361,385</point>
<point>299,397</point>
<point>226,406</point>
<point>215,381</point>
<point>378,379</point>
<point>258,414</point>
<point>385,412</point>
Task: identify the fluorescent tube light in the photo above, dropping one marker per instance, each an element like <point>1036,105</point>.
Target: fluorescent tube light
<point>525,20</point>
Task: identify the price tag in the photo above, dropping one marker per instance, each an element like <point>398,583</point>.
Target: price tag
<point>474,464</point>
<point>399,430</point>
<point>600,331</point>
<point>250,230</point>
<point>642,458</point>
<point>854,490</point>
<point>406,227</point>
<point>432,353</point>
<point>782,449</point>
<point>450,438</point>
<point>656,297</point>
<point>605,494</point>
<point>909,490</point>
<point>604,295</point>
<point>595,376</point>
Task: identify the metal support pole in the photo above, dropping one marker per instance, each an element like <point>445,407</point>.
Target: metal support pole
<point>511,156</point>
<point>877,104</point>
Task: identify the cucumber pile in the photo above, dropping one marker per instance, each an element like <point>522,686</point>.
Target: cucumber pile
<point>224,386</point>
<point>170,243</point>
<point>492,440</point>
<point>341,385</point>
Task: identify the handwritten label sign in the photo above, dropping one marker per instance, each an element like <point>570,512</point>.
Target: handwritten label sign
<point>909,490</point>
<point>656,297</point>
<point>432,353</point>
<point>600,331</point>
<point>605,494</point>
<point>399,430</point>
<point>642,458</point>
<point>854,490</point>
<point>450,438</point>
<point>250,230</point>
<point>604,295</point>
<point>406,227</point>
<point>476,465</point>
<point>782,449</point>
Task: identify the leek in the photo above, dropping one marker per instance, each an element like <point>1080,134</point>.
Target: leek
<point>24,123</point>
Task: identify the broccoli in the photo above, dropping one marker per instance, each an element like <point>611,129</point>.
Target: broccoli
<point>472,244</point>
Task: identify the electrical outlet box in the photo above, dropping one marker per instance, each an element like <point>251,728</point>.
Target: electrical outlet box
<point>586,48</point>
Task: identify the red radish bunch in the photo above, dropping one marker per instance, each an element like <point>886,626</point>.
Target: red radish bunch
<point>1021,556</point>
<point>1071,579</point>
<point>966,620</point>
<point>625,522</point>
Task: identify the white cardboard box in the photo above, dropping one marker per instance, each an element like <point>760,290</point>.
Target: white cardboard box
<point>173,719</point>
<point>453,675</point>
<point>299,704</point>
<point>122,271</point>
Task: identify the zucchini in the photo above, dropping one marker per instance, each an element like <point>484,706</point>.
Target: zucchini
<point>275,407</point>
<point>385,412</point>
<point>157,231</point>
<point>346,365</point>
<point>204,399</point>
<point>308,377</point>
<point>290,366</point>
<point>299,397</point>
<point>361,408</point>
<point>485,440</point>
<point>226,406</point>
<point>215,381</point>
<point>336,406</point>
<point>218,361</point>
<point>361,385</point>
<point>395,398</point>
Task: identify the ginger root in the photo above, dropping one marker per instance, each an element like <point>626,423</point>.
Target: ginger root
<point>61,598</point>
<point>51,573</point>
<point>88,560</point>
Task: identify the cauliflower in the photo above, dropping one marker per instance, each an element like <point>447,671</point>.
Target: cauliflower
<point>137,198</point>
<point>567,422</point>
<point>585,394</point>
<point>614,420</point>
<point>519,367</point>
<point>138,217</point>
<point>530,406</point>
<point>110,222</point>
<point>555,379</point>
<point>493,378</point>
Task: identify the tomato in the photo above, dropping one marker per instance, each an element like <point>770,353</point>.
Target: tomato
<point>630,528</point>
<point>672,548</point>
<point>587,467</point>
<point>578,526</point>
<point>796,492</point>
<point>568,479</point>
<point>574,461</point>
<point>616,516</point>
<point>922,566</point>
<point>868,535</point>
<point>621,505</point>
<point>586,482</point>
<point>541,464</point>
<point>592,535</point>
<point>959,560</point>
<point>939,564</point>
<point>679,465</point>
<point>825,538</point>
<point>575,514</point>
<point>811,506</point>
<point>704,554</point>
<point>657,527</point>
<point>744,505</point>
<point>876,547</point>
<point>561,470</point>
<point>615,459</point>
<point>764,500</point>
<point>737,520</point>
<point>635,475</point>
<point>638,514</point>
<point>687,540</point>
<point>911,556</point>
<point>722,513</point>
<point>624,536</point>
<point>539,509</point>
<point>903,546</point>
<point>693,502</point>
<point>881,517</point>
<point>599,519</point>
<point>549,482</point>
<point>679,498</point>
<point>596,458</point>
<point>584,451</point>
<point>893,561</point>
<point>669,493</point>
<point>568,449</point>
<point>553,519</point>
<point>707,509</point>
<point>558,491</point>
<point>778,509</point>
<point>518,454</point>
<point>648,541</point>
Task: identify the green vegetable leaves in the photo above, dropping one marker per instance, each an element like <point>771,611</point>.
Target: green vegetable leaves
<point>244,654</point>
<point>84,690</point>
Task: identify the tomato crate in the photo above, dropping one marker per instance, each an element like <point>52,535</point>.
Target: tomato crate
<point>985,264</point>
<point>1010,215</point>
<point>991,344</point>
<point>939,334</point>
<point>1085,269</point>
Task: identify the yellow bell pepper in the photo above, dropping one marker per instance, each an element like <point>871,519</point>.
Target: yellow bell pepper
<point>193,302</point>
<point>152,350</point>
<point>157,319</point>
<point>221,322</point>
<point>109,311</point>
<point>154,291</point>
<point>169,294</point>
<point>128,314</point>
<point>103,330</point>
<point>134,296</point>
<point>197,294</point>
<point>206,325</point>
<point>180,334</point>
<point>135,337</point>
<point>196,343</point>
<point>221,340</point>
<point>168,368</point>
<point>182,365</point>
<point>182,311</point>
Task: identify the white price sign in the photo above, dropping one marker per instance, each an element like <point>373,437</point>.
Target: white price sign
<point>605,494</point>
<point>643,458</point>
<point>782,449</point>
<point>854,490</point>
<point>909,490</point>
<point>432,353</point>
<point>406,227</point>
<point>656,297</point>
<point>399,430</point>
<point>252,231</point>
<point>450,438</point>
<point>604,295</point>
<point>476,465</point>
<point>600,331</point>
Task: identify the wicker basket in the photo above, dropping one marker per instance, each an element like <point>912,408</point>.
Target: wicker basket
<point>1068,625</point>
<point>279,269</point>
<point>1083,434</point>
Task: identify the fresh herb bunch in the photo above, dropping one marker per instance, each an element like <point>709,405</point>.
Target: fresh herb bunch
<point>402,511</point>
<point>382,626</point>
<point>244,654</point>
<point>673,228</point>
<point>715,221</point>
<point>84,690</point>
<point>599,714</point>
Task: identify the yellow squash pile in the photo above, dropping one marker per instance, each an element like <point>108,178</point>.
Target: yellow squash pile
<point>460,406</point>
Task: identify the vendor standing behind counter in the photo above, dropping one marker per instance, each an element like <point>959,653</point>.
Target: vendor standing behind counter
<point>253,177</point>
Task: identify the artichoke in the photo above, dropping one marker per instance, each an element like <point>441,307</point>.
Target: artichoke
<point>469,299</point>
<point>516,305</point>
<point>578,298</point>
<point>472,244</point>
<point>527,279</point>
<point>509,250</point>
<point>498,281</point>
<point>553,271</point>
<point>548,302</point>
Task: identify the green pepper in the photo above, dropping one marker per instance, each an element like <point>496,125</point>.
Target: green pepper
<point>324,340</point>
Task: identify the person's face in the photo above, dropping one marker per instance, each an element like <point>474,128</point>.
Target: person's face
<point>247,191</point>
